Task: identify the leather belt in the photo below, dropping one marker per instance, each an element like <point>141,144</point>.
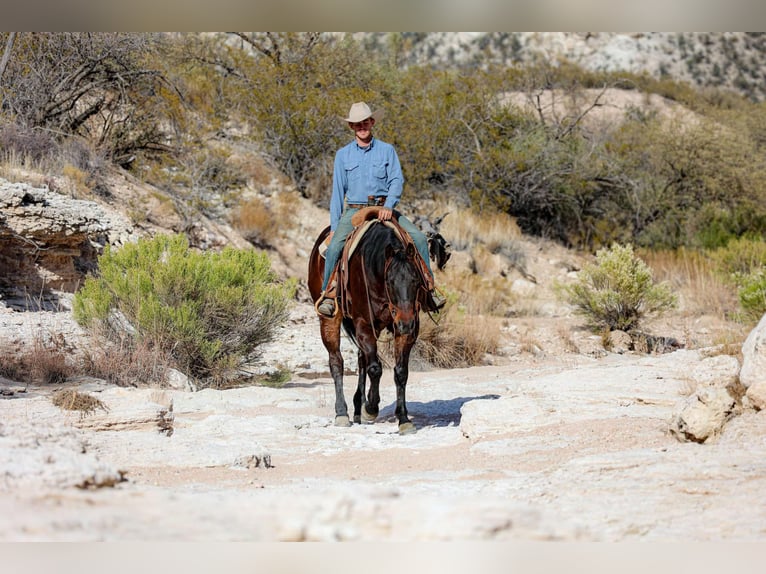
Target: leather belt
<point>371,200</point>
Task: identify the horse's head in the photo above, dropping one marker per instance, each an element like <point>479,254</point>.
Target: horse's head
<point>403,286</point>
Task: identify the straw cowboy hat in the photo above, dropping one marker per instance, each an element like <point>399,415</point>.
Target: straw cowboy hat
<point>360,112</point>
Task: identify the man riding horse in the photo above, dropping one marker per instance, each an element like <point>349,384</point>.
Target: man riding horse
<point>366,172</point>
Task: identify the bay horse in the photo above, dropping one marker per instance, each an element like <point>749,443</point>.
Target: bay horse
<point>384,288</point>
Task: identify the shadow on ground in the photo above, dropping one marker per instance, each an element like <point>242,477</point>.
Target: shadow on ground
<point>436,413</point>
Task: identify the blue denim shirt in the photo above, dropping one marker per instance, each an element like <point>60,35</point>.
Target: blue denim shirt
<point>359,172</point>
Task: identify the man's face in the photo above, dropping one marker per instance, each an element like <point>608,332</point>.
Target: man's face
<point>362,129</point>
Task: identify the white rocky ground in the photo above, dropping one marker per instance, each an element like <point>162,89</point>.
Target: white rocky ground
<point>561,446</point>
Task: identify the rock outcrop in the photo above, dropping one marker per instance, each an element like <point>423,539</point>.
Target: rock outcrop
<point>49,241</point>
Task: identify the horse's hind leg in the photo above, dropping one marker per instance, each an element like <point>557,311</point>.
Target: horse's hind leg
<point>330,330</point>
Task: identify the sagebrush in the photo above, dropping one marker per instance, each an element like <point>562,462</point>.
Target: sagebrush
<point>617,291</point>
<point>208,311</point>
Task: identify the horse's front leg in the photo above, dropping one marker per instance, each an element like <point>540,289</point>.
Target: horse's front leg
<point>403,345</point>
<point>360,386</point>
<point>330,330</point>
<point>368,346</point>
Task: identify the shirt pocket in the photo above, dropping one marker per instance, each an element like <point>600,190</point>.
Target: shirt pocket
<point>353,173</point>
<point>379,171</point>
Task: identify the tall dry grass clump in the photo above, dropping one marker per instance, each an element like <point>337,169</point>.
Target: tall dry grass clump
<point>48,360</point>
<point>491,242</point>
<point>695,277</point>
<point>457,340</point>
<point>465,228</point>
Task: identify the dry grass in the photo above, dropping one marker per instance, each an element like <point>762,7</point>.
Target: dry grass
<point>457,341</point>
<point>476,295</point>
<point>263,223</point>
<point>256,222</point>
<point>694,278</point>
<point>464,228</point>
<point>46,361</point>
<point>124,361</point>
<point>73,400</point>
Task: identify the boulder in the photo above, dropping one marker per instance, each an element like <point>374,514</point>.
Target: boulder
<point>752,375</point>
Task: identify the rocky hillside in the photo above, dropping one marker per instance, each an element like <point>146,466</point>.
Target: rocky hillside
<point>731,60</point>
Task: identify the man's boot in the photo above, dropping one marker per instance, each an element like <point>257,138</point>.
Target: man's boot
<point>437,300</point>
<point>327,307</point>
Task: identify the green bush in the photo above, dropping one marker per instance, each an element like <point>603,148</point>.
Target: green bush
<point>752,294</point>
<point>617,291</point>
<point>740,257</point>
<point>208,311</point>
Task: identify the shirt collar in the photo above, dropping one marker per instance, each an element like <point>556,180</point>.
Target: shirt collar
<point>368,148</point>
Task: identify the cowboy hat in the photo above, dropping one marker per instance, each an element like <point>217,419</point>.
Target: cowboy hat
<point>360,112</point>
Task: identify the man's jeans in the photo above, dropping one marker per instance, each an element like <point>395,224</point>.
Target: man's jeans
<point>344,229</point>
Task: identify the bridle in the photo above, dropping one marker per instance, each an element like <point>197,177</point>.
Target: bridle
<point>392,308</point>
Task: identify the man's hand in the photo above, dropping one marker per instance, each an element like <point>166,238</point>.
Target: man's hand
<point>385,214</point>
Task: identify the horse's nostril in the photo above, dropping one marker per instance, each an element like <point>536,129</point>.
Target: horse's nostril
<point>405,326</point>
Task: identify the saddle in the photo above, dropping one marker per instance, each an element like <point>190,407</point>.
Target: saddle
<point>362,220</point>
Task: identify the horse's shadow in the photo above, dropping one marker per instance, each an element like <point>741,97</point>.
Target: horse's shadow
<point>436,413</point>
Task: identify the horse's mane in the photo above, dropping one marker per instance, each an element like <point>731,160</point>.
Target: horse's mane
<point>378,238</point>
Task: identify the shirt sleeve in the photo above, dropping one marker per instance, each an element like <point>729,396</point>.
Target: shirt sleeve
<point>395,180</point>
<point>339,187</point>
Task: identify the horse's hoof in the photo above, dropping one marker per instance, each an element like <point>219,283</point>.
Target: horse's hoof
<point>407,428</point>
<point>357,419</point>
<point>342,421</point>
<point>368,418</point>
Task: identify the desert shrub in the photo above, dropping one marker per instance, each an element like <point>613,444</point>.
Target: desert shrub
<point>740,256</point>
<point>742,262</point>
<point>752,294</point>
<point>617,291</point>
<point>269,69</point>
<point>208,311</point>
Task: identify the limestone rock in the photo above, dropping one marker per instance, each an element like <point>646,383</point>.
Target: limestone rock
<point>752,375</point>
<point>49,241</point>
<point>703,415</point>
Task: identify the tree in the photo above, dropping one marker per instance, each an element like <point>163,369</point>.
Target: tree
<point>96,85</point>
<point>291,88</point>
